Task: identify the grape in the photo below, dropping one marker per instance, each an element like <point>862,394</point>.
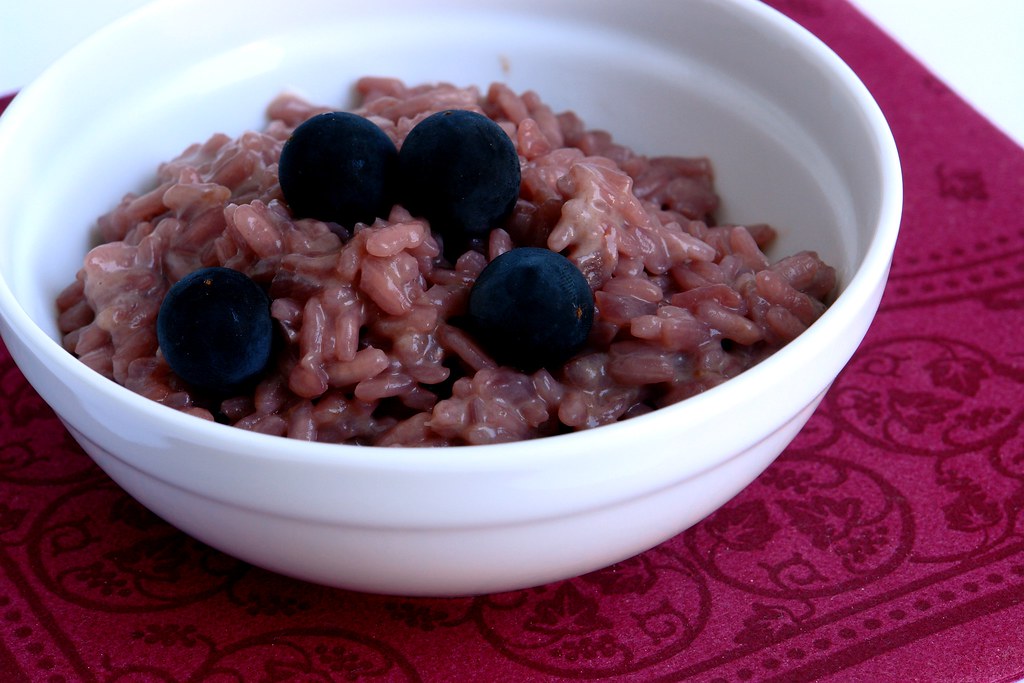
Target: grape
<point>338,167</point>
<point>460,171</point>
<point>215,330</point>
<point>530,308</point>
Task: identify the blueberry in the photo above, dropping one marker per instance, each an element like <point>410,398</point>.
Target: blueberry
<point>531,307</point>
<point>460,171</point>
<point>215,330</point>
<point>338,167</point>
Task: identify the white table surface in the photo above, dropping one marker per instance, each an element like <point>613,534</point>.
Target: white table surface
<point>976,46</point>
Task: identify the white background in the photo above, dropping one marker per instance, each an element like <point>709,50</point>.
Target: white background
<point>975,46</point>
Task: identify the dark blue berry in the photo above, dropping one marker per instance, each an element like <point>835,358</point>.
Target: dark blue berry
<point>338,167</point>
<point>215,330</point>
<point>460,171</point>
<point>531,308</point>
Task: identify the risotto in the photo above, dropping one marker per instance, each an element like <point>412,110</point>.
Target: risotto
<point>369,344</point>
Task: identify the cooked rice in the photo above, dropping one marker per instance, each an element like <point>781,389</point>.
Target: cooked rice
<point>371,349</point>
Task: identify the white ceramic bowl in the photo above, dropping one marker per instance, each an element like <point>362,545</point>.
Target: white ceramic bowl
<point>796,141</point>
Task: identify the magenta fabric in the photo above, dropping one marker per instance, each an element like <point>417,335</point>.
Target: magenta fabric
<point>886,544</point>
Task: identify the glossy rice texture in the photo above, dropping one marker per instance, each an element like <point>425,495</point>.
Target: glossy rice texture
<point>371,349</point>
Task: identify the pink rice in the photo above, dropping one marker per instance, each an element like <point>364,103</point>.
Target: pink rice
<point>371,352</point>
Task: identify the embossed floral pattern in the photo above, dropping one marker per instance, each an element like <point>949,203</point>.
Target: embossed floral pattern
<point>928,395</point>
<point>962,375</point>
<point>744,526</point>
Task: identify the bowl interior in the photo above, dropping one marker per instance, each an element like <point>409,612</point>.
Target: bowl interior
<point>790,144</point>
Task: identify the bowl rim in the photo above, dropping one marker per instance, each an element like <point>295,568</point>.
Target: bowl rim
<point>859,292</point>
